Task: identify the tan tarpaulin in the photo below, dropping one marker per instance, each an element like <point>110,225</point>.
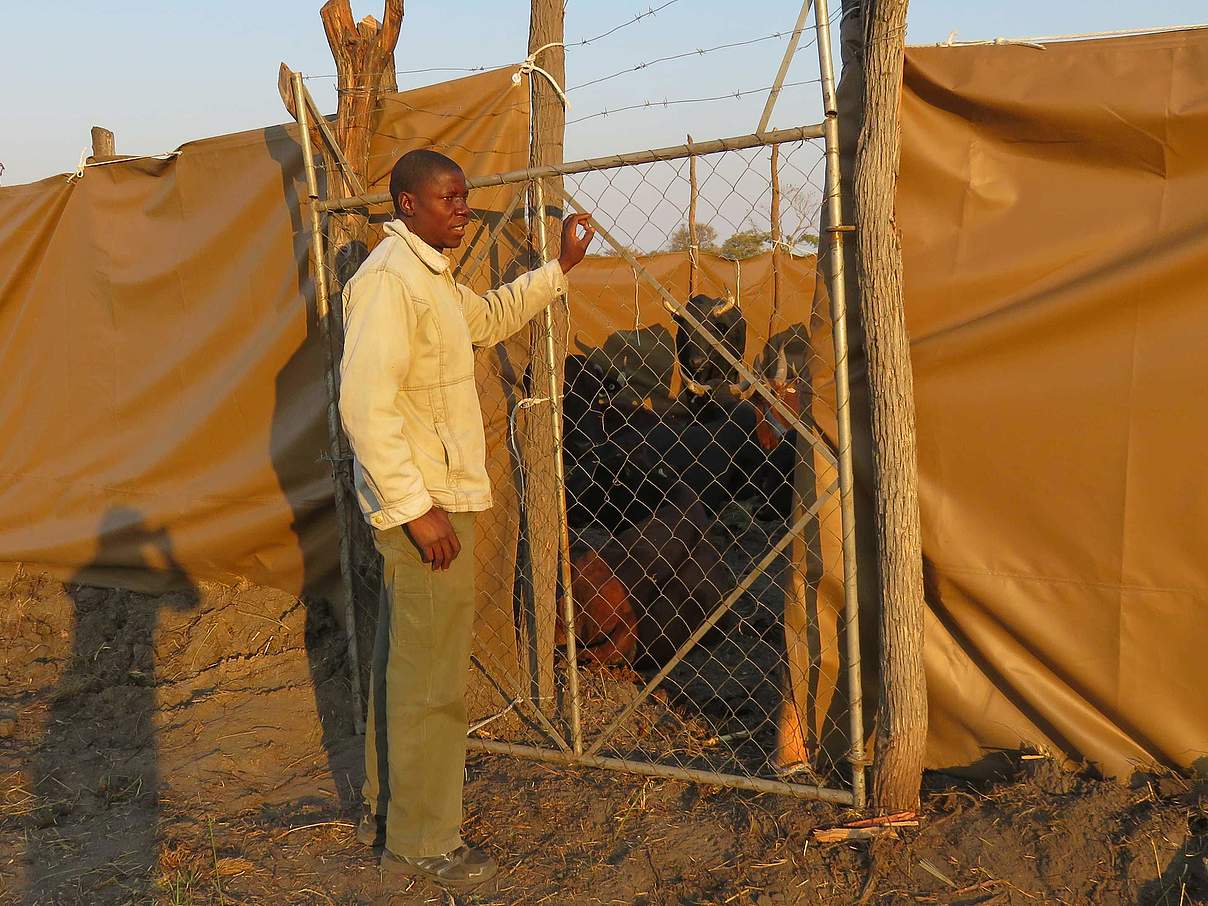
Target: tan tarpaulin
<point>164,401</point>
<point>1055,241</point>
<point>1056,244</point>
<point>607,296</point>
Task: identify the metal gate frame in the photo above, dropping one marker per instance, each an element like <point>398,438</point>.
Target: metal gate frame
<point>573,752</point>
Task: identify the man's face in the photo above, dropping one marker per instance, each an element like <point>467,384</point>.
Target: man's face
<point>437,211</point>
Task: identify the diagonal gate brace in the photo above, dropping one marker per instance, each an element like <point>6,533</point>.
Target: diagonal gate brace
<point>711,620</point>
<point>791,418</point>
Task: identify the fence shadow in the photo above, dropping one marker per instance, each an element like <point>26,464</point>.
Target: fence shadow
<point>298,445</point>
<point>105,701</point>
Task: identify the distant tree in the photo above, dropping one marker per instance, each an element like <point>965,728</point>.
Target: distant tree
<point>807,205</point>
<point>601,250</point>
<point>746,243</point>
<point>706,238</point>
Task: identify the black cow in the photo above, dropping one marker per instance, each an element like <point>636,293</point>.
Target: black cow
<point>701,365</point>
<point>623,458</point>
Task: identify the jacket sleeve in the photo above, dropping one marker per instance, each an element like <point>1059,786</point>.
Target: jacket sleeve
<point>496,315</point>
<point>379,324</point>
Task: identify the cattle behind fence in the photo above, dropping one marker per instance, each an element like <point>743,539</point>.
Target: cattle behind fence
<point>701,476</point>
<point>681,450</point>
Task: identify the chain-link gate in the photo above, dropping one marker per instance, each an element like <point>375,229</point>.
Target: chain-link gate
<point>676,549</point>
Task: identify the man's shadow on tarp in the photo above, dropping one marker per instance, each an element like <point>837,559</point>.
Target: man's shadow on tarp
<point>299,448</point>
<point>95,775</point>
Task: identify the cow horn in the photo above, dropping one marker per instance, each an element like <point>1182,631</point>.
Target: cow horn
<point>671,308</point>
<point>722,307</point>
<point>782,367</point>
<point>744,389</point>
<point>696,389</point>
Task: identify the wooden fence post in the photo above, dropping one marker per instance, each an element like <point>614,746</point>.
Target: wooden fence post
<point>693,239</point>
<point>540,446</point>
<point>103,143</point>
<point>901,733</point>
<point>774,320</point>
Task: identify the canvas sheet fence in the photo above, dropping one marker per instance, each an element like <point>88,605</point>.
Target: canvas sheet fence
<point>164,379</point>
<point>165,367</point>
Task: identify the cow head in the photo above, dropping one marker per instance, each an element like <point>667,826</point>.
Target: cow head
<point>702,367</point>
<point>784,369</point>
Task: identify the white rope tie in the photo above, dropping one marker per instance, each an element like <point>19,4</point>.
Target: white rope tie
<point>79,170</point>
<point>529,66</point>
<point>527,403</point>
<point>84,162</point>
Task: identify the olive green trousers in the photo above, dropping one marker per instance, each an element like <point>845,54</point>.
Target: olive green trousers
<point>415,738</point>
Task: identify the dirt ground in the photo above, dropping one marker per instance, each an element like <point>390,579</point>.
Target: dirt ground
<point>195,748</point>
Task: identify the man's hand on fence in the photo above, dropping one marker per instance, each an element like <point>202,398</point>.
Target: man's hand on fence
<point>435,537</point>
<point>574,246</point>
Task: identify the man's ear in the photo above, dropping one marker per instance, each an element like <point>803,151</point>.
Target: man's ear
<point>406,204</point>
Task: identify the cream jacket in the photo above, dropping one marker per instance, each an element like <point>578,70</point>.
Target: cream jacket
<point>407,395</point>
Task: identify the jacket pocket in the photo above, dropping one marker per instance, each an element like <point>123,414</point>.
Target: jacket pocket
<point>447,438</point>
<point>449,445</point>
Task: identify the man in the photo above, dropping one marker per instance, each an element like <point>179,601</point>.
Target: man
<point>410,408</point>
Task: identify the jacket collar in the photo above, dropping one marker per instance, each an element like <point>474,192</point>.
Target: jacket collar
<point>435,261</point>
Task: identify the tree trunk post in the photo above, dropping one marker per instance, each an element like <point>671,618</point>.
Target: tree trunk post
<point>901,732</point>
<point>364,57</point>
<point>541,444</point>
<point>693,240</point>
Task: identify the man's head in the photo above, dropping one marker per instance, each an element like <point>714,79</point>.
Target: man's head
<point>429,192</point>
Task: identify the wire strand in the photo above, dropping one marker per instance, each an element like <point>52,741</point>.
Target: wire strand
<point>399,72</point>
<point>700,51</point>
<point>616,28</point>
<point>666,103</point>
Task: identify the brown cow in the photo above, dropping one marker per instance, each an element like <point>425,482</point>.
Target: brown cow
<point>606,619</point>
<point>641,596</point>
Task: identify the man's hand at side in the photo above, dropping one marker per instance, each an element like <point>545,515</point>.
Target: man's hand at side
<point>574,246</point>
<point>433,534</point>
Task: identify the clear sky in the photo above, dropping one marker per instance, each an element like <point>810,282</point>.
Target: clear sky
<point>161,73</point>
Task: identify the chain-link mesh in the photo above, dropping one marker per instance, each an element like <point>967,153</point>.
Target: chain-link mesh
<point>701,488</point>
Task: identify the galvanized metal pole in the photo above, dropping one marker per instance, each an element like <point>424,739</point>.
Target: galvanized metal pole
<point>838,293</point>
<point>322,312</point>
<point>789,51</point>
<point>555,402</point>
<point>608,162</point>
<point>664,771</point>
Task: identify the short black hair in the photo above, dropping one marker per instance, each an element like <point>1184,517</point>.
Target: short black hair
<point>415,168</point>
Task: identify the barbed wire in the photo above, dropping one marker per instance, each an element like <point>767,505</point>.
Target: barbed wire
<point>400,72</point>
<point>735,95</point>
<point>616,28</point>
<point>700,51</point>
<point>583,42</point>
